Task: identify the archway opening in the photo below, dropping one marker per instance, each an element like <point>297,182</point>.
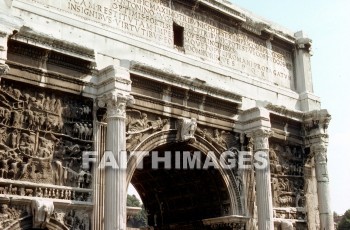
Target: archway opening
<point>180,197</point>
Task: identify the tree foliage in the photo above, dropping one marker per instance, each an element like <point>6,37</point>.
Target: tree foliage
<point>140,220</point>
<point>132,201</point>
<point>344,224</point>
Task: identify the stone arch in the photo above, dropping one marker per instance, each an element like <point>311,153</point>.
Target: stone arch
<point>169,136</point>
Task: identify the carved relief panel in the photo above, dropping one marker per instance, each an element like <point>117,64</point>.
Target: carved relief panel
<point>41,214</point>
<point>42,136</point>
<point>287,163</point>
<point>287,180</point>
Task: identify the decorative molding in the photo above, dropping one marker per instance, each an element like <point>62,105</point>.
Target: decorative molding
<point>41,40</point>
<point>182,107</point>
<point>283,111</point>
<point>174,79</point>
<point>229,222</point>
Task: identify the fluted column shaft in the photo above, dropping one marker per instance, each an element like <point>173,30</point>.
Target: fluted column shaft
<point>115,177</point>
<point>263,179</point>
<point>325,211</point>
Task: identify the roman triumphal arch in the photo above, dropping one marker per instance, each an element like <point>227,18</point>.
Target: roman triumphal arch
<point>206,109</point>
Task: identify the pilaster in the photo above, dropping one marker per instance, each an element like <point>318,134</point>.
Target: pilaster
<point>304,86</point>
<point>316,125</point>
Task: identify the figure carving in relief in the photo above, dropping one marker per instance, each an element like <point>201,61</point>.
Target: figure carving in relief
<point>86,111</point>
<point>46,103</point>
<point>186,129</point>
<point>84,179</point>
<point>14,139</point>
<point>138,124</point>
<point>29,119</point>
<point>26,144</point>
<point>29,134</point>
<point>24,168</point>
<point>5,116</point>
<point>53,104</point>
<point>89,132</point>
<point>75,222</point>
<point>3,165</point>
<point>17,119</point>
<point>45,148</point>
<point>219,140</point>
<point>3,136</point>
<point>81,131</point>
<point>7,214</point>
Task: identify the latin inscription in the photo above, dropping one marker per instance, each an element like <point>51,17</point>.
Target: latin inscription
<point>204,37</point>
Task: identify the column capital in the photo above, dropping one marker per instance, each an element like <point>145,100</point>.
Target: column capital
<point>316,127</point>
<point>303,42</point>
<point>116,104</point>
<point>260,138</point>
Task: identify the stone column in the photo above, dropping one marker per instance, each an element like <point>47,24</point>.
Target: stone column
<point>326,215</point>
<point>316,125</point>
<point>115,178</point>
<point>260,140</point>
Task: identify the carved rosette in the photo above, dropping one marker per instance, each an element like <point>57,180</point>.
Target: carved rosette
<point>260,139</point>
<point>116,104</point>
<point>4,69</point>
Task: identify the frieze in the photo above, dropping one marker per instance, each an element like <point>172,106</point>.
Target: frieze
<point>43,134</point>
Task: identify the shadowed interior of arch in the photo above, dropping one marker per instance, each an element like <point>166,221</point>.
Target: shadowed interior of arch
<point>180,197</point>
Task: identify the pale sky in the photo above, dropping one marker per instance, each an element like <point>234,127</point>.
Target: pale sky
<point>326,23</point>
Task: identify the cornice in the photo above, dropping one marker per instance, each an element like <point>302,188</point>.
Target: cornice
<point>26,35</point>
<point>182,82</point>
